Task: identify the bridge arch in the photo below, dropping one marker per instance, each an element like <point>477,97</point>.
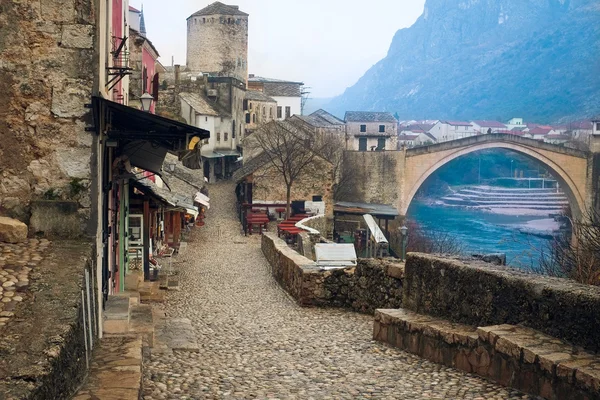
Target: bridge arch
<point>423,165</point>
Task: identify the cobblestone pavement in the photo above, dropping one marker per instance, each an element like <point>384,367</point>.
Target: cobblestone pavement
<point>255,342</point>
<point>17,261</point>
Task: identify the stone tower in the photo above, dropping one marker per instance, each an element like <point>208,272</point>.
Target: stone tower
<point>217,41</point>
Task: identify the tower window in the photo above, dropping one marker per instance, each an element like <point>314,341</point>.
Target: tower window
<point>381,128</point>
<point>363,128</point>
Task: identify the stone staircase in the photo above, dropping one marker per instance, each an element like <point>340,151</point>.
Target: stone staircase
<point>116,369</point>
<point>511,355</point>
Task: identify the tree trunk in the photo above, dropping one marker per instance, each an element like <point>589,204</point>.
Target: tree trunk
<point>288,199</point>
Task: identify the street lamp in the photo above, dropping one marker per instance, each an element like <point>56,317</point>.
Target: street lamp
<point>404,234</point>
<point>146,100</point>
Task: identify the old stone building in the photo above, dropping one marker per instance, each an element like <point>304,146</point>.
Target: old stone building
<point>217,41</point>
<point>287,94</point>
<point>371,131</point>
<point>260,109</point>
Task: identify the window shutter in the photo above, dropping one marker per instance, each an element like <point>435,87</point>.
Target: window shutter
<point>155,86</point>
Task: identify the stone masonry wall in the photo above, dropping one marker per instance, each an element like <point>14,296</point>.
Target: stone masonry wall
<point>218,43</point>
<point>372,284</point>
<point>480,294</point>
<point>372,176</point>
<point>46,77</point>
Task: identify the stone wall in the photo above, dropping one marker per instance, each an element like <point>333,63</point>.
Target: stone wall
<point>46,78</point>
<point>218,43</point>
<point>372,176</point>
<point>42,349</point>
<point>480,294</point>
<point>372,284</point>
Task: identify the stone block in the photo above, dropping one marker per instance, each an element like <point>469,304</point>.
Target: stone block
<point>395,271</point>
<point>69,97</point>
<point>77,36</point>
<point>12,231</point>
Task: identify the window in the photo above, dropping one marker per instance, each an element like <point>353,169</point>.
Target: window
<point>381,128</point>
<point>233,130</point>
<point>278,111</point>
<point>363,128</point>
<point>218,136</point>
<point>250,106</point>
<point>205,119</point>
<point>264,111</point>
<point>253,118</point>
<point>362,144</point>
<point>144,80</point>
<point>598,126</point>
<point>203,20</point>
<point>270,112</point>
<point>248,118</point>
<point>225,136</point>
<point>288,111</point>
<point>380,143</point>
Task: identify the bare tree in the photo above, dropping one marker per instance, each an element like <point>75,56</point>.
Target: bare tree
<point>289,149</point>
<point>575,254</point>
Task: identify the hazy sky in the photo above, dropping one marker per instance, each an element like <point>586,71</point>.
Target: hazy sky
<point>327,44</point>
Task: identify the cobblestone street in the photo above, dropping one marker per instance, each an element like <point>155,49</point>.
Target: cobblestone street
<point>255,342</point>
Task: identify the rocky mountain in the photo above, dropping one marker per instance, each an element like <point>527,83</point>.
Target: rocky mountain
<point>488,59</point>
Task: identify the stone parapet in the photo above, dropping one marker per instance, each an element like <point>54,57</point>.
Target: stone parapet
<point>371,284</point>
<point>514,356</point>
<point>43,350</point>
<point>480,294</point>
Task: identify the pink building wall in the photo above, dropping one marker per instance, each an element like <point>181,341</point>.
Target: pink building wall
<point>148,62</point>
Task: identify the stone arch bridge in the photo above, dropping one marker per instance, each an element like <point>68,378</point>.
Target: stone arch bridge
<point>394,177</point>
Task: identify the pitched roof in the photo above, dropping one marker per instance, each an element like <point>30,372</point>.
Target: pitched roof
<point>255,78</point>
<point>316,121</point>
<point>218,8</point>
<point>199,103</point>
<point>250,167</point>
<point>284,89</point>
<point>256,95</point>
<point>538,130</point>
<point>490,124</point>
<point>134,9</point>
<point>407,137</point>
<point>332,119</point>
<point>457,123</point>
<point>369,116</point>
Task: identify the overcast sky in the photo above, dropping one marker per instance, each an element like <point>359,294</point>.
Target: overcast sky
<point>327,44</point>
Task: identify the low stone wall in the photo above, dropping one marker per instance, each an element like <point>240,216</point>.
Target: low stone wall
<point>480,294</point>
<point>514,356</point>
<point>370,285</point>
<point>42,351</point>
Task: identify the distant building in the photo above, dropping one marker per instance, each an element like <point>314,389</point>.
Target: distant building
<point>287,94</point>
<point>217,41</point>
<point>260,109</point>
<point>322,122</point>
<point>484,127</point>
<point>371,131</point>
<point>143,58</point>
<point>444,131</point>
<point>515,123</point>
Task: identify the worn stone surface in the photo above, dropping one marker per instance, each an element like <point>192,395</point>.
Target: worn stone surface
<point>256,342</point>
<point>12,231</point>
<point>46,78</point>
<point>480,294</point>
<point>371,284</point>
<point>42,351</point>
<point>116,370</point>
<point>516,356</point>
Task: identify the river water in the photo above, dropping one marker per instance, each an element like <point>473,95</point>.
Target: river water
<point>482,232</point>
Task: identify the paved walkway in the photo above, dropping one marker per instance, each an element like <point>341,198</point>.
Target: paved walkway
<point>255,342</point>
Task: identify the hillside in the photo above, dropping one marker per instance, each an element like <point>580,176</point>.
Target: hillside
<point>469,59</point>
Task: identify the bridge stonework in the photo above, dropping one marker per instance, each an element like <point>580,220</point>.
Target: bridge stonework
<point>394,177</point>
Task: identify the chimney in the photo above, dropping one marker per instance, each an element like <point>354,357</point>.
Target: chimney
<point>177,66</point>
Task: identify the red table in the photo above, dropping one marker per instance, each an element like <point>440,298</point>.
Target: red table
<point>256,219</point>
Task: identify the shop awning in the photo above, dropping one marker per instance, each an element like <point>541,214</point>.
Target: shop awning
<point>174,200</point>
<point>123,123</point>
<point>228,153</point>
<point>202,199</point>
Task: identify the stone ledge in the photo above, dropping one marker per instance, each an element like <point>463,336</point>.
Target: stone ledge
<point>514,356</point>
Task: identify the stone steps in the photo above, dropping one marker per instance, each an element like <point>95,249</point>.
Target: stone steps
<point>116,314</point>
<point>116,370</point>
<point>514,356</point>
